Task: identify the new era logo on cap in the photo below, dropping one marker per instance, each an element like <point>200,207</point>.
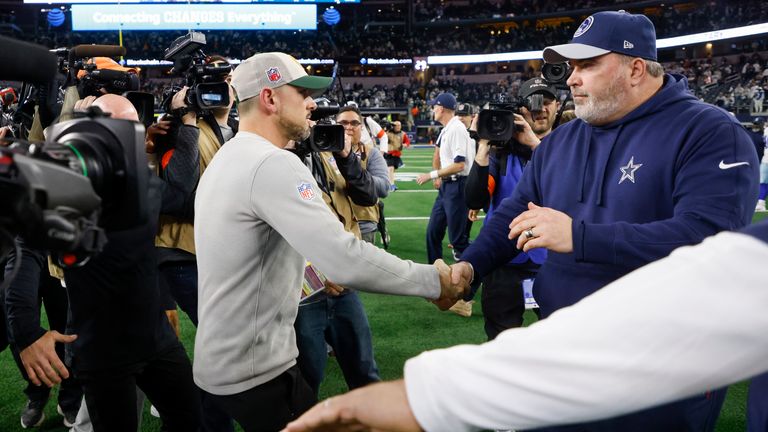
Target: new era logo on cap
<point>604,32</point>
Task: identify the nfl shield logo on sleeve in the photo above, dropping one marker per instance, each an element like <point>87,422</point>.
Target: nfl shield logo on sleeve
<point>305,191</point>
<point>273,74</point>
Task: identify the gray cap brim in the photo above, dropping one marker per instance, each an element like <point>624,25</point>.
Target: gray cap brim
<point>575,51</point>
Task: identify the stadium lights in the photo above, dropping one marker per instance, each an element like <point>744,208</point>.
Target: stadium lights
<point>149,62</point>
<point>672,42</point>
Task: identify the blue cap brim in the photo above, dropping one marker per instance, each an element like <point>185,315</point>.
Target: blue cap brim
<point>571,51</point>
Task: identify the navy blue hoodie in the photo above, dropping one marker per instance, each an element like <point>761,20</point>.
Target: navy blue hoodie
<point>670,173</point>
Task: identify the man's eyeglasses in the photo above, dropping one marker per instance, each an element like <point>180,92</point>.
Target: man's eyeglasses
<point>346,123</point>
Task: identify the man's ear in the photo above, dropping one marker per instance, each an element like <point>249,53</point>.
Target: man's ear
<point>268,100</point>
<point>639,71</point>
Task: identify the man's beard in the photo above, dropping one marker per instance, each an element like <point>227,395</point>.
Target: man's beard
<point>294,131</point>
<point>598,108</point>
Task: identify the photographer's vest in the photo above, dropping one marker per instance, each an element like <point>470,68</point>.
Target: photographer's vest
<point>173,232</point>
<point>370,213</point>
<point>335,196</point>
<point>395,141</point>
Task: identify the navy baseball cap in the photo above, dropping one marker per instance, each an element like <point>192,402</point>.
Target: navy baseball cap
<point>445,100</point>
<point>604,32</point>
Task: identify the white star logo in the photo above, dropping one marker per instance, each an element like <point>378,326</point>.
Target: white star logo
<point>628,171</point>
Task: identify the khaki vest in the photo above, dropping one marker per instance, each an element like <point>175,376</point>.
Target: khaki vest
<point>370,213</point>
<point>173,232</point>
<point>395,141</point>
<point>338,200</point>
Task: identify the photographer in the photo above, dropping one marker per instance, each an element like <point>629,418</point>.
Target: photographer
<point>205,132</point>
<point>338,318</point>
<point>396,140</point>
<point>121,338</point>
<point>493,178</point>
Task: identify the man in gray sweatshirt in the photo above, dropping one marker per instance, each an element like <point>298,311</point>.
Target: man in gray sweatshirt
<point>258,213</point>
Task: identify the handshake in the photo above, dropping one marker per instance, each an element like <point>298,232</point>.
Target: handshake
<point>454,282</point>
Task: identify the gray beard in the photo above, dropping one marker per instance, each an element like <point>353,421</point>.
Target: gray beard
<point>596,111</point>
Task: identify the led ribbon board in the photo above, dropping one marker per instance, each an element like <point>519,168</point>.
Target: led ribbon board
<point>711,36</point>
<point>195,17</point>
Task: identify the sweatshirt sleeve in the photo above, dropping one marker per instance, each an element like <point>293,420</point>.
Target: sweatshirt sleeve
<point>21,298</point>
<point>378,169</point>
<point>492,248</point>
<point>535,377</point>
<point>361,188</point>
<point>180,172</point>
<point>708,197</point>
<point>289,200</point>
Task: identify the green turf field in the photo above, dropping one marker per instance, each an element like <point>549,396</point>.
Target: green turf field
<point>402,327</point>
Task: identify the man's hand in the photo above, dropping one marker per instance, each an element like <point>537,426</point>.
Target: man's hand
<point>482,157</point>
<point>526,136</point>
<point>347,146</point>
<point>333,289</point>
<point>542,227</point>
<point>179,101</point>
<point>41,362</point>
<point>452,288</point>
<point>83,104</point>
<point>423,178</point>
<point>381,407</point>
<point>155,130</point>
<point>437,182</point>
<point>473,215</point>
<point>462,274</point>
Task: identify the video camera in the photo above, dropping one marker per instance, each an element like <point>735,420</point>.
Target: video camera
<point>207,86</point>
<point>497,123</point>
<point>326,135</point>
<point>90,176</point>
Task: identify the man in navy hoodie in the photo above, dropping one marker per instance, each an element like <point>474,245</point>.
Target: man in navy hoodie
<point>647,169</point>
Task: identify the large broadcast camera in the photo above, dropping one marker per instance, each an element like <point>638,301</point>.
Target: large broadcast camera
<point>497,123</point>
<point>207,86</point>
<point>90,176</point>
<point>326,135</point>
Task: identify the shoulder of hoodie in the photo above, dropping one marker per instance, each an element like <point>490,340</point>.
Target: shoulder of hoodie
<point>256,150</point>
<point>697,115</point>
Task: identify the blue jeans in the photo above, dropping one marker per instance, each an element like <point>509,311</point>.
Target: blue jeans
<point>449,211</point>
<point>342,323</point>
<point>181,278</point>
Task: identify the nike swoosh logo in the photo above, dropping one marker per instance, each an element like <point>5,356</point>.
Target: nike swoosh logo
<point>725,166</point>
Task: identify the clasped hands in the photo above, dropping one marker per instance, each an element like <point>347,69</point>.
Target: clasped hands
<point>454,282</point>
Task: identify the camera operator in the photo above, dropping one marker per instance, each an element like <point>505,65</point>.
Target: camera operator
<point>396,140</point>
<point>339,318</point>
<point>121,338</point>
<point>258,214</point>
<point>205,132</point>
<point>492,178</point>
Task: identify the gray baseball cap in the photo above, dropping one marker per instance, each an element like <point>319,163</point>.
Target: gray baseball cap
<point>273,70</point>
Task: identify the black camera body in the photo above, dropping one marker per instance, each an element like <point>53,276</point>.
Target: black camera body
<point>97,81</point>
<point>90,176</point>
<point>207,86</point>
<point>326,135</point>
<point>497,123</point>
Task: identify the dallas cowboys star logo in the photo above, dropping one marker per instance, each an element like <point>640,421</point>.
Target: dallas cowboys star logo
<point>628,171</point>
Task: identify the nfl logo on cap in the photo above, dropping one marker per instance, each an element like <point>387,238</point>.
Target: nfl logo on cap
<point>273,74</point>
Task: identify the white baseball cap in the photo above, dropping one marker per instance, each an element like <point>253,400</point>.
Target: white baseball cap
<point>273,70</point>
